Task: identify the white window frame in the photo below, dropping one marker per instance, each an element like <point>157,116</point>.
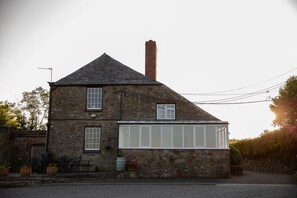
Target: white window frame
<point>92,138</point>
<point>165,111</point>
<point>220,137</point>
<point>94,98</point>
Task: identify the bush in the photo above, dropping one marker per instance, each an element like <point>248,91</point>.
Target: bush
<point>278,145</point>
<point>235,156</point>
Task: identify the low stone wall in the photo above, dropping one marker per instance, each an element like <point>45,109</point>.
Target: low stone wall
<point>20,145</point>
<point>179,163</point>
<point>267,165</point>
<point>27,144</point>
<point>4,144</point>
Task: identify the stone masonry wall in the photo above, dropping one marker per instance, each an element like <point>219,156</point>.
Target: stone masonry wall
<point>18,145</point>
<point>4,144</point>
<point>122,103</point>
<point>69,142</point>
<point>180,163</point>
<point>23,144</point>
<point>268,165</point>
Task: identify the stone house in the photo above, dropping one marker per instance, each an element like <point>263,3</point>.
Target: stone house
<point>107,110</point>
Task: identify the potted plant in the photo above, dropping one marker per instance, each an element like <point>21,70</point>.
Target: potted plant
<point>24,166</point>
<point>132,167</point>
<point>52,169</point>
<point>25,170</point>
<point>4,169</point>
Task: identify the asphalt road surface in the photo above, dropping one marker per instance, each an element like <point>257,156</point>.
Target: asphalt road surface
<point>155,190</point>
<point>251,184</point>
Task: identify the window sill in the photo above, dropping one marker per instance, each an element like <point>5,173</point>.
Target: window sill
<point>92,151</point>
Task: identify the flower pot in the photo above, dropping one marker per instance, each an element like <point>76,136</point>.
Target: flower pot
<point>4,172</point>
<point>25,171</point>
<point>52,171</point>
<point>132,173</point>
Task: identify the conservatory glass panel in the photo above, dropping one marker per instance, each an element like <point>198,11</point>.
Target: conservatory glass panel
<point>210,132</point>
<point>145,136</point>
<point>166,137</point>
<point>188,136</point>
<point>156,136</point>
<point>124,136</point>
<point>177,136</point>
<point>199,136</point>
<point>134,136</point>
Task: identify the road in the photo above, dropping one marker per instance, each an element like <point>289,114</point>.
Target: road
<point>155,189</point>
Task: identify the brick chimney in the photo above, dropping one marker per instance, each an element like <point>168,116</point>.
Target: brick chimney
<point>151,59</point>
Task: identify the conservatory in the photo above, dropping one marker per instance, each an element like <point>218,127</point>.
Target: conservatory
<point>173,135</point>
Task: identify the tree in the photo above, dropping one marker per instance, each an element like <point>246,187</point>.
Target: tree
<point>34,108</point>
<point>284,106</point>
<point>8,114</point>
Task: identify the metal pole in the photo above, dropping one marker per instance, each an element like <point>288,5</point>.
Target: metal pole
<point>48,68</point>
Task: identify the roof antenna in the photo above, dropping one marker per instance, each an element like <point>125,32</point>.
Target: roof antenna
<point>51,70</point>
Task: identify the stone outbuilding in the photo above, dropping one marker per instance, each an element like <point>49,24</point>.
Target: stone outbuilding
<point>106,111</point>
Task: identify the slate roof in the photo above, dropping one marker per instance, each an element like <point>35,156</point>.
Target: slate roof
<point>105,71</point>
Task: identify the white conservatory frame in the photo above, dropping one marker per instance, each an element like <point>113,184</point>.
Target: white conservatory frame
<point>173,135</point>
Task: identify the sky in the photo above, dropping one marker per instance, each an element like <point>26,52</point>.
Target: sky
<point>211,51</point>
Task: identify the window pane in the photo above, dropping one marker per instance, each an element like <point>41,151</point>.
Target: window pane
<point>160,112</point>
<point>124,137</point>
<point>156,136</point>
<point>188,136</point>
<point>134,136</point>
<point>145,136</point>
<point>165,111</point>
<point>210,136</point>
<point>177,136</point>
<point>166,137</point>
<point>199,136</point>
<point>92,138</point>
<point>221,136</point>
<point>94,98</point>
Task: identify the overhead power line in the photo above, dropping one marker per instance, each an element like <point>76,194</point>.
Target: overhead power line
<point>230,103</point>
<point>228,100</point>
<point>240,88</point>
<point>244,96</point>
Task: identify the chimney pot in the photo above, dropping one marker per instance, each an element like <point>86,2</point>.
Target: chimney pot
<point>151,59</point>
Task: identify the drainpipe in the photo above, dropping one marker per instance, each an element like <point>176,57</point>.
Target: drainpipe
<point>51,84</point>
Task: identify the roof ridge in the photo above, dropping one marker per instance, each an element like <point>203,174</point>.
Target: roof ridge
<point>105,70</point>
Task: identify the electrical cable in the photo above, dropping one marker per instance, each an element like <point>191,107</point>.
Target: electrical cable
<point>230,99</point>
<point>231,103</point>
<point>245,87</point>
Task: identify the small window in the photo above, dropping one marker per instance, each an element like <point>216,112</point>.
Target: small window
<point>165,111</point>
<point>94,98</point>
<point>92,138</point>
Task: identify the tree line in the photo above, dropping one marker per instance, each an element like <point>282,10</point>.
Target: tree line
<point>30,113</point>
